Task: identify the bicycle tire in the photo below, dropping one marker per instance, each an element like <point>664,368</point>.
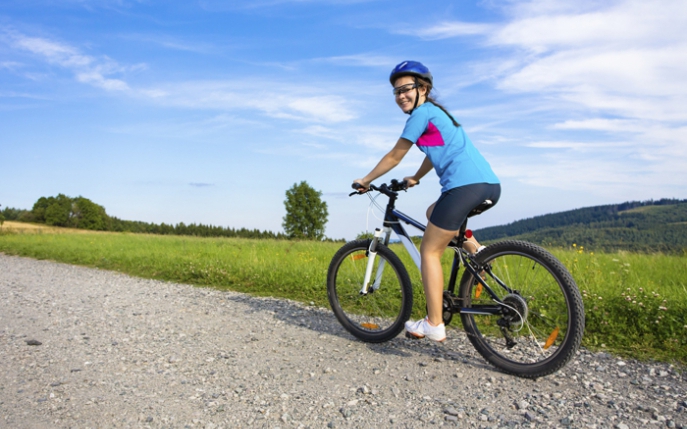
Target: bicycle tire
<point>549,327</point>
<point>379,315</point>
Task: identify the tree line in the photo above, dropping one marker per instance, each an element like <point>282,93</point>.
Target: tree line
<point>306,217</point>
<point>82,213</point>
<point>647,226</point>
<point>608,215</point>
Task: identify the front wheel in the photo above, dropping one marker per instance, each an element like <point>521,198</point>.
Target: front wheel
<point>533,323</point>
<point>380,314</point>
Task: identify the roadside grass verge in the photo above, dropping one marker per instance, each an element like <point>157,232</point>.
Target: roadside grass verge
<point>636,304</point>
<point>285,269</point>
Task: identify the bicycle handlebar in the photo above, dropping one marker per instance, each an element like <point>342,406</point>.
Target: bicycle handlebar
<point>385,189</point>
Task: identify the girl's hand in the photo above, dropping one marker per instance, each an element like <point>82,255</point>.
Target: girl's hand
<point>362,183</point>
<point>410,180</point>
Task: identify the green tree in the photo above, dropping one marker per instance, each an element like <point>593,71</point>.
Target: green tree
<point>13,214</point>
<point>306,213</point>
<point>65,211</point>
<point>58,211</point>
<point>2,218</point>
<point>88,215</point>
<point>39,208</point>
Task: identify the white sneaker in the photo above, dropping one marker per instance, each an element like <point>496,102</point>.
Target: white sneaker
<point>422,328</point>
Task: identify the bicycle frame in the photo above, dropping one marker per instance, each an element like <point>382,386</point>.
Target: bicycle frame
<point>393,221</point>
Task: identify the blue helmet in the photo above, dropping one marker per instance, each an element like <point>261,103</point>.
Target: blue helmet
<point>410,68</point>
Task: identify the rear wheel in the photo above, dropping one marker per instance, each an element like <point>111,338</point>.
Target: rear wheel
<point>541,319</point>
<point>380,314</point>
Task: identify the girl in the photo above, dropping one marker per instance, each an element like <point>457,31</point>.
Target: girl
<point>465,176</point>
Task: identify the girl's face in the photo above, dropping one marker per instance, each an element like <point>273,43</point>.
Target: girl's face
<point>405,92</point>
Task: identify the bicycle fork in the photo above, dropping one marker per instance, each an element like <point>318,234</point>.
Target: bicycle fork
<point>371,256</point>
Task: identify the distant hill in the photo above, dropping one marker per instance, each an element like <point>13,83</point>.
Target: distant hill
<point>649,226</point>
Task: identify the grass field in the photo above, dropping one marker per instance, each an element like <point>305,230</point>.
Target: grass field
<point>636,304</point>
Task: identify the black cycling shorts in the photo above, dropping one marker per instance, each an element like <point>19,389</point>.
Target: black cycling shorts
<point>454,205</point>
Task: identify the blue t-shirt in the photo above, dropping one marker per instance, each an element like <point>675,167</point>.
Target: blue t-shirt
<point>454,157</point>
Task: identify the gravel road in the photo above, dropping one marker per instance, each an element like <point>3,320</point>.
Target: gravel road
<point>87,348</point>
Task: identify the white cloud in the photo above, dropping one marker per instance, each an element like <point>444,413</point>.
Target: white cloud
<point>153,93</point>
<point>97,79</point>
<point>54,52</point>
<point>536,27</point>
<point>373,140</point>
<point>86,69</point>
<point>597,124</point>
<point>294,102</point>
<point>321,131</point>
<point>622,58</point>
<point>274,99</point>
<point>10,65</point>
<point>445,30</point>
<point>612,176</point>
<point>625,59</point>
<point>325,108</point>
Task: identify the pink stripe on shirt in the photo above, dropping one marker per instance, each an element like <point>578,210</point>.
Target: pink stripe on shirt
<point>431,137</point>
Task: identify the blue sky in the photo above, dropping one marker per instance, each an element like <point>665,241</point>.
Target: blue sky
<point>208,111</point>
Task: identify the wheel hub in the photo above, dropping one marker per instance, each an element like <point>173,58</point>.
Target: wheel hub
<point>516,310</point>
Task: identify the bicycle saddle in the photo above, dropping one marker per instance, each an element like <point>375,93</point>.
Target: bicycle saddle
<point>481,208</point>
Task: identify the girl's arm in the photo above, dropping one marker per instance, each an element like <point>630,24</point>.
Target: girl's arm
<point>389,161</point>
<point>425,168</point>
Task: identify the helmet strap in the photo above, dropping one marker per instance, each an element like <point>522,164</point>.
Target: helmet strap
<point>417,96</point>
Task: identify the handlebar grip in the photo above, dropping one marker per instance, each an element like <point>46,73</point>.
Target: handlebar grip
<point>359,189</point>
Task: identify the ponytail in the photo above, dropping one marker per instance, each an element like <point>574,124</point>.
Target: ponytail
<point>443,109</point>
<point>428,85</point>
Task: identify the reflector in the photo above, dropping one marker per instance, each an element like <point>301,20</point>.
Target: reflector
<point>478,290</point>
<point>551,339</point>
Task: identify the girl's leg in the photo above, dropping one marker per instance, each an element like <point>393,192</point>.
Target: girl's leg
<point>454,206</point>
<point>434,243</point>
<point>470,245</point>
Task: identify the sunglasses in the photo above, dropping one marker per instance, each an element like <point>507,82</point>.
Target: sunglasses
<point>403,89</point>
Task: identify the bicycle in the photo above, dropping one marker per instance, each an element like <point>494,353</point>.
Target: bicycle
<point>518,304</point>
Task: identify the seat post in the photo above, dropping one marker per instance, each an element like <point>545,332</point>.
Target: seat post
<point>455,268</point>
